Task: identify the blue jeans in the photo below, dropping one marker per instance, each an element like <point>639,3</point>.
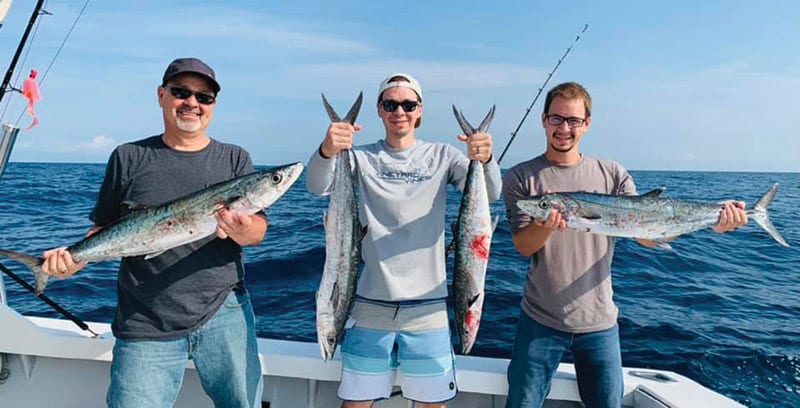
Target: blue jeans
<point>149,373</point>
<point>538,350</point>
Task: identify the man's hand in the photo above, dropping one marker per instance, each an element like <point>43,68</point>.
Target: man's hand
<point>479,146</point>
<point>731,216</point>
<point>553,222</point>
<point>243,228</point>
<point>58,262</point>
<point>339,137</point>
<point>530,239</point>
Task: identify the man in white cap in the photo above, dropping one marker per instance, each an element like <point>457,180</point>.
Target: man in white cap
<point>399,320</point>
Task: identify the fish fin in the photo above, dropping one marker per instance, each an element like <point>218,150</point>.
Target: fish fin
<point>662,244</point>
<point>486,121</point>
<point>154,254</point>
<point>232,199</point>
<point>351,115</point>
<point>329,109</point>
<point>462,122</point>
<point>656,192</point>
<point>33,263</point>
<point>473,300</point>
<point>132,206</point>
<point>761,216</point>
<point>452,245</point>
<point>335,293</point>
<point>590,215</point>
<point>766,199</point>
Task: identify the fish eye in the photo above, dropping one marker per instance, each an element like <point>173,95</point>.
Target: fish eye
<point>276,178</point>
<point>331,340</point>
<point>544,204</point>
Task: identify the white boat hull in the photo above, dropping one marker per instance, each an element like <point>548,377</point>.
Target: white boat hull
<point>51,362</point>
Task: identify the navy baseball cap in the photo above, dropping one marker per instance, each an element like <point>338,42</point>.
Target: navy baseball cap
<point>192,66</point>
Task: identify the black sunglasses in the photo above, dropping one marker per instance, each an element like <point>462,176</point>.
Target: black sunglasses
<point>389,105</point>
<point>183,93</point>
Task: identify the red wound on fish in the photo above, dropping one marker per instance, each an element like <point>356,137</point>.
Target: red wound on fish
<point>480,246</point>
<point>471,320</point>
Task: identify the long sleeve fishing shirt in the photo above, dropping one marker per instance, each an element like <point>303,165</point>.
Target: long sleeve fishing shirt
<point>402,198</point>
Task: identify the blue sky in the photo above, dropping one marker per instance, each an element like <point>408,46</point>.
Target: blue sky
<point>680,85</point>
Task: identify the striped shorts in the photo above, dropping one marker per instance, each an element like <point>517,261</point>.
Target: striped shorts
<point>398,342</point>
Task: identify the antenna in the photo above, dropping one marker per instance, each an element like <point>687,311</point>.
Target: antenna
<point>550,75</point>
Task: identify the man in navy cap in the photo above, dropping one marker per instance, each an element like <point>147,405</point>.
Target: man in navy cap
<point>188,302</point>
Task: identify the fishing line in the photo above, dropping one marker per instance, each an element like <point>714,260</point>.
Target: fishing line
<point>452,244</point>
<point>550,75</point>
<point>47,300</point>
<point>58,51</point>
<point>7,79</point>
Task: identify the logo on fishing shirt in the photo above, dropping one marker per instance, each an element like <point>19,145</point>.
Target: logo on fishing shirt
<point>417,175</point>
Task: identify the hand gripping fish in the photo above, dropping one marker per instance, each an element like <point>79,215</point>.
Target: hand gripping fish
<point>647,216</point>
<point>154,230</point>
<point>473,237</point>
<point>343,234</point>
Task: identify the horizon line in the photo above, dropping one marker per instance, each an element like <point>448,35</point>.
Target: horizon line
<point>501,168</point>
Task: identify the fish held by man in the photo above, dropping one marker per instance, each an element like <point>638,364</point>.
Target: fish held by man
<point>152,231</point>
<point>648,216</point>
<point>343,234</point>
<point>473,238</point>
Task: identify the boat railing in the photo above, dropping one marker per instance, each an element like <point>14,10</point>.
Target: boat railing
<point>2,290</point>
<point>7,140</point>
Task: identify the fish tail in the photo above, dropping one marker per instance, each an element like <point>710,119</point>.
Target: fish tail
<point>33,263</point>
<point>761,216</point>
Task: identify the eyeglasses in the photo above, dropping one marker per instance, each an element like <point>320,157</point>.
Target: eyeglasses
<point>572,121</point>
<point>184,93</point>
<point>389,105</point>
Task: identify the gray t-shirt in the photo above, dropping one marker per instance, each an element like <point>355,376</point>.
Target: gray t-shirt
<point>402,196</point>
<point>177,291</point>
<point>568,284</point>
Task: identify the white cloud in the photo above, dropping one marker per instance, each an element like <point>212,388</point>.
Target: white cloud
<point>274,59</point>
<point>99,143</point>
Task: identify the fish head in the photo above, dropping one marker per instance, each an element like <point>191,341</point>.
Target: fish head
<point>271,184</point>
<point>539,207</point>
<point>327,337</point>
<point>472,320</point>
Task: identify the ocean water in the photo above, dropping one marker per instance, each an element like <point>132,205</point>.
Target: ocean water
<point>722,309</point>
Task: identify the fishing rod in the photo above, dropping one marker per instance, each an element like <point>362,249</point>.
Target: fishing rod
<point>8,133</point>
<point>43,76</point>
<point>49,301</point>
<point>550,75</point>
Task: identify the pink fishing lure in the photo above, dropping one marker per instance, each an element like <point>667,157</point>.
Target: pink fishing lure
<point>30,90</point>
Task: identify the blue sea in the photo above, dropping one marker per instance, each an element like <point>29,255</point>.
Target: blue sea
<point>722,309</point>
